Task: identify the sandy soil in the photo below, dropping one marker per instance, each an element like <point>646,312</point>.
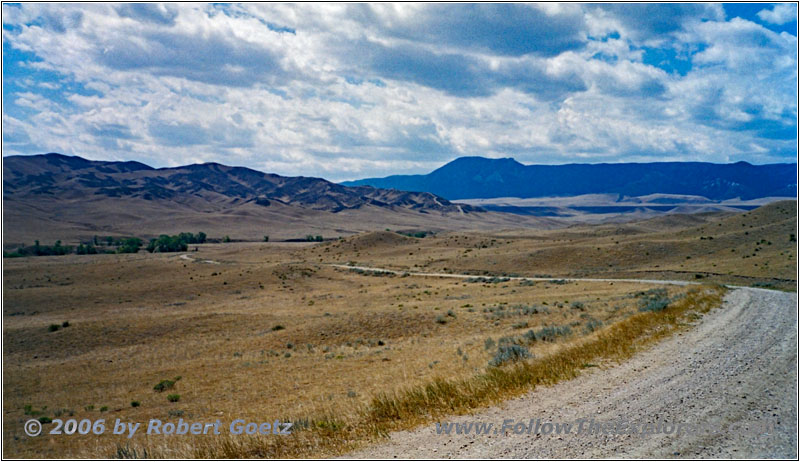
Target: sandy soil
<point>735,370</point>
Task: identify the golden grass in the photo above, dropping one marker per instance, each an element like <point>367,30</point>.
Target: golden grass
<point>136,320</point>
<point>327,436</point>
<point>743,249</point>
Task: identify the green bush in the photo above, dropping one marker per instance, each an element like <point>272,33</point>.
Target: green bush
<point>135,404</point>
<point>592,325</point>
<point>164,385</point>
<point>173,398</point>
<point>417,234</point>
<point>547,334</point>
<point>53,327</point>
<point>654,300</point>
<point>509,353</point>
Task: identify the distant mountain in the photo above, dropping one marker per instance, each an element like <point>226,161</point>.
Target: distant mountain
<point>69,177</point>
<point>479,177</point>
<point>52,196</point>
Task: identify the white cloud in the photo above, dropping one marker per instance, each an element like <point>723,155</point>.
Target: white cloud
<point>781,13</point>
<point>353,90</point>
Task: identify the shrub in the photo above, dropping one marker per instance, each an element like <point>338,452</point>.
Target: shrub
<point>488,344</point>
<point>278,327</point>
<point>173,398</point>
<point>547,334</point>
<point>441,319</point>
<point>164,385</point>
<point>135,404</point>
<point>654,300</point>
<point>103,408</point>
<point>592,325</point>
<point>65,324</point>
<point>44,419</point>
<point>53,327</point>
<point>509,353</point>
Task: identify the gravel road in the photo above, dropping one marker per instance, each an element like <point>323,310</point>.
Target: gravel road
<point>735,371</point>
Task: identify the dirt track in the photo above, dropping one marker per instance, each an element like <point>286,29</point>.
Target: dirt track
<point>737,366</point>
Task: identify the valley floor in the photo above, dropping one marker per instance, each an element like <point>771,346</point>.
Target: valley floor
<point>322,336</point>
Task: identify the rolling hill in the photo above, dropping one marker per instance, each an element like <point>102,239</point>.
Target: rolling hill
<point>53,196</point>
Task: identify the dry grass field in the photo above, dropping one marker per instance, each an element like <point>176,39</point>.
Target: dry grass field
<point>266,331</point>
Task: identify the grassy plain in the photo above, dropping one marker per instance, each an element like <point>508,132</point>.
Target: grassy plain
<point>266,331</point>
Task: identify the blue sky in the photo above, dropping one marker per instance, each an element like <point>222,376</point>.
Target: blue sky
<point>346,91</point>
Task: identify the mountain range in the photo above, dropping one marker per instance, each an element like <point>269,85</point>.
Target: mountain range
<point>482,178</point>
<point>57,197</point>
<point>201,185</point>
<point>54,196</point>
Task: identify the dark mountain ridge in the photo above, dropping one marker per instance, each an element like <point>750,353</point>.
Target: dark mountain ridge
<point>70,177</point>
<point>481,178</point>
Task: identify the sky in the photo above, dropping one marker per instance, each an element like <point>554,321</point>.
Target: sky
<point>347,91</point>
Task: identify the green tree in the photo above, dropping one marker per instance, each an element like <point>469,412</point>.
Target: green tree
<point>129,245</point>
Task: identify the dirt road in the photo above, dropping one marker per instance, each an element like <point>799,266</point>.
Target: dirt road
<point>735,372</point>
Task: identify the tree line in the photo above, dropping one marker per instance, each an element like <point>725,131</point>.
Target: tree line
<point>109,244</point>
